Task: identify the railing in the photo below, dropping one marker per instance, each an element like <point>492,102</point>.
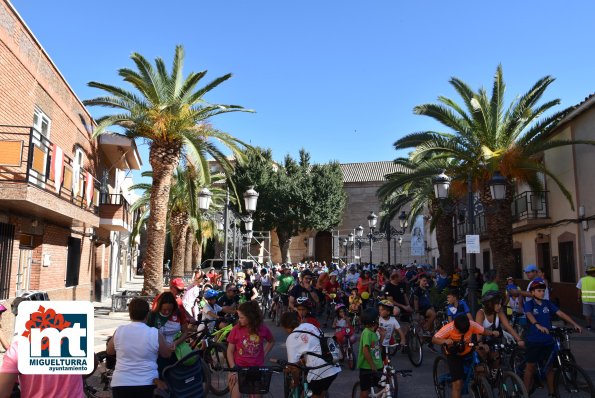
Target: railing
<point>461,227</point>
<point>530,205</point>
<point>26,157</point>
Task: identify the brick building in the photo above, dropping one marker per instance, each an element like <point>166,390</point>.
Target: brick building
<point>59,221</point>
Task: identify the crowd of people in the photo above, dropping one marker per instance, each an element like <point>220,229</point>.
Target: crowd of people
<point>381,296</point>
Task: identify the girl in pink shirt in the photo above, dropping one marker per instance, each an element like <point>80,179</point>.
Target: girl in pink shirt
<point>246,342</point>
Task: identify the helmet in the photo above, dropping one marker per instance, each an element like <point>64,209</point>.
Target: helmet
<point>178,283</point>
<point>492,295</point>
<point>339,306</point>
<point>241,275</point>
<point>370,316</point>
<point>386,303</point>
<point>537,285</point>
<point>2,308</point>
<point>211,294</point>
<point>304,302</point>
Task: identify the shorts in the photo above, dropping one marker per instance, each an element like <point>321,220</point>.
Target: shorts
<point>538,352</point>
<point>456,366</point>
<point>321,385</point>
<point>588,309</point>
<point>284,299</point>
<point>424,310</point>
<point>368,378</point>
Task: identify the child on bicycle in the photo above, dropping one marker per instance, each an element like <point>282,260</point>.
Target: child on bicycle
<point>369,360</point>
<point>389,324</point>
<point>355,301</point>
<point>456,335</point>
<point>342,325</point>
<point>456,305</point>
<point>245,343</point>
<point>538,341</point>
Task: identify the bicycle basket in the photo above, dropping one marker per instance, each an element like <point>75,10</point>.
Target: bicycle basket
<point>254,380</point>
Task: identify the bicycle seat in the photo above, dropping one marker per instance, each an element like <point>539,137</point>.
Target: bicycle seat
<point>185,381</point>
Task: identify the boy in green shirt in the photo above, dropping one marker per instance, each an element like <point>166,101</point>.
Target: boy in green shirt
<point>369,361</point>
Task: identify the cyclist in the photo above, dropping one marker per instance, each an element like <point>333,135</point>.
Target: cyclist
<point>369,360</point>
<point>397,290</point>
<point>456,305</point>
<point>304,289</point>
<point>342,325</point>
<point>304,308</point>
<point>540,344</point>
<point>211,310</point>
<point>191,300</point>
<point>351,278</point>
<point>389,323</point>
<point>459,331</point>
<point>266,284</point>
<point>423,307</point>
<point>303,345</point>
<point>284,282</point>
<point>229,301</point>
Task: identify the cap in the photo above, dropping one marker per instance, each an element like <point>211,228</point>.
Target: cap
<point>590,268</point>
<point>178,283</point>
<point>531,267</point>
<point>537,285</point>
<point>509,278</point>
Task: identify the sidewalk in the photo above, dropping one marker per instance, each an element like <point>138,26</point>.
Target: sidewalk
<point>107,321</point>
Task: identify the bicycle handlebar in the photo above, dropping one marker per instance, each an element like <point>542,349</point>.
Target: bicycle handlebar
<point>276,369</point>
<point>284,363</point>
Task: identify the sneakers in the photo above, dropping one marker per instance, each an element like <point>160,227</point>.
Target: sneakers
<point>432,348</point>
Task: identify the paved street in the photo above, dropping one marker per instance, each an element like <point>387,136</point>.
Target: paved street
<point>418,385</point>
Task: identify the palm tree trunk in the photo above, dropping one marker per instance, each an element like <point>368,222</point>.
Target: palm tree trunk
<point>444,238</point>
<point>179,226</point>
<point>499,229</point>
<point>163,159</point>
<point>188,264</point>
<point>197,252</point>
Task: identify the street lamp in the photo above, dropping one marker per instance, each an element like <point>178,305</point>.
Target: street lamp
<point>372,220</point>
<point>392,232</point>
<point>498,185</point>
<point>250,201</point>
<point>350,240</point>
<point>359,233</point>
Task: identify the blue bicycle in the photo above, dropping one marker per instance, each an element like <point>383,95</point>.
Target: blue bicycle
<point>570,380</point>
<point>475,382</point>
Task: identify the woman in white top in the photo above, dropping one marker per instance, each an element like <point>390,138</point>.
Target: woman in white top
<point>137,347</point>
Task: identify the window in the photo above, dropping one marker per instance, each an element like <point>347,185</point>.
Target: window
<point>41,122</point>
<point>486,261</point>
<point>518,263</point>
<point>6,245</point>
<point>567,271</point>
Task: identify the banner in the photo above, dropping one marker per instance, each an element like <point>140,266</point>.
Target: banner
<point>417,237</point>
<point>76,178</point>
<point>57,166</point>
<point>89,189</point>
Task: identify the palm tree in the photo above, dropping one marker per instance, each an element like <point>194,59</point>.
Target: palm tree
<point>414,187</point>
<point>169,111</point>
<point>488,137</point>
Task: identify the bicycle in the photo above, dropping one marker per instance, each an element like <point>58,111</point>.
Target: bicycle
<point>355,321</point>
<point>508,383</point>
<point>475,381</point>
<point>415,342</point>
<point>388,386</point>
<point>278,307</point>
<point>330,309</point>
<point>569,378</point>
<point>347,349</point>
<point>254,381</point>
<point>296,388</point>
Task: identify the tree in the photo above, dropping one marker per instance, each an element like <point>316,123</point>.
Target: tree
<point>487,137</point>
<point>169,111</point>
<point>295,196</point>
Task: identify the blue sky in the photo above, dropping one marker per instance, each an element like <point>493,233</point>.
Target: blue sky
<point>339,78</point>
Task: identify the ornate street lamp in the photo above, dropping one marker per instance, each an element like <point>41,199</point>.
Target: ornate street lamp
<point>204,199</point>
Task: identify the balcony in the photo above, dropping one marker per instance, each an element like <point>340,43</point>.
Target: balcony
<point>529,209</point>
<point>114,213</point>
<point>28,180</point>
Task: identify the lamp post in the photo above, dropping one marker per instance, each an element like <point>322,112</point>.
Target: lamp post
<point>372,220</point>
<point>392,232</point>
<point>498,185</point>
<point>250,201</point>
<point>359,233</point>
<point>400,240</point>
<point>350,240</point>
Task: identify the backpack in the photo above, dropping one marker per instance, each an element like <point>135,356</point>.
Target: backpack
<point>328,345</point>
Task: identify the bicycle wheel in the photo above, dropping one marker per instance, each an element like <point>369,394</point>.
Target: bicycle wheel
<point>415,352</point>
<point>215,357</point>
<point>511,386</point>
<point>279,313</point>
<point>393,384</point>
<point>571,380</point>
<point>481,388</point>
<point>350,356</point>
<point>442,378</point>
<point>356,391</point>
<point>97,384</point>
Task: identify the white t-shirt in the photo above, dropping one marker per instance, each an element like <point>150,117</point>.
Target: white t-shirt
<point>137,348</point>
<point>189,301</point>
<point>351,279</point>
<point>299,343</point>
<point>206,316</point>
<point>389,325</point>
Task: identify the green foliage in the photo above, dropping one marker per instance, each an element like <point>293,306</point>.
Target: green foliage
<point>438,297</point>
<point>294,196</point>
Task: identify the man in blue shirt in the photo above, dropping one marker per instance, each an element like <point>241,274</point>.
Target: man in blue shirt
<point>456,306</point>
<point>539,343</point>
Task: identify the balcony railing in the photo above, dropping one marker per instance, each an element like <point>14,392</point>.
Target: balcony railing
<point>530,205</point>
<point>26,157</point>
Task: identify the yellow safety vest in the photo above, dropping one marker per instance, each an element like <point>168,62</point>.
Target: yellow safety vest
<point>588,289</point>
